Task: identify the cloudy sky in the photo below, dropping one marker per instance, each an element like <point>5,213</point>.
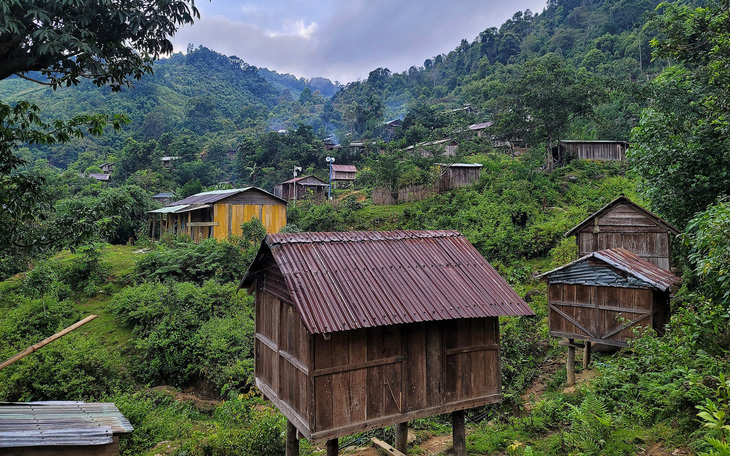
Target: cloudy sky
<point>342,40</point>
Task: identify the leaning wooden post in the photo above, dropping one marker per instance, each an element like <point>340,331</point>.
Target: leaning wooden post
<point>332,447</point>
<point>292,443</point>
<point>401,437</point>
<point>459,433</point>
<point>570,366</point>
<point>586,354</point>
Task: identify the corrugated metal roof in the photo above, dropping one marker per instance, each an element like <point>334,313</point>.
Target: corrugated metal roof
<point>593,141</point>
<point>217,195</point>
<point>169,209</point>
<point>297,179</point>
<point>30,424</point>
<point>611,205</point>
<point>344,168</point>
<point>621,259</point>
<point>460,165</point>
<point>344,281</point>
<point>480,126</point>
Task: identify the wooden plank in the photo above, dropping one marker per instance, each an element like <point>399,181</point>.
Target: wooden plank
<point>341,386</point>
<point>375,381</point>
<point>358,366</point>
<point>203,224</point>
<point>415,368</point>
<point>478,358</point>
<point>458,433</point>
<point>379,422</point>
<point>299,422</point>
<point>434,364</point>
<point>388,449</point>
<point>463,385</point>
<point>571,320</point>
<point>358,378</point>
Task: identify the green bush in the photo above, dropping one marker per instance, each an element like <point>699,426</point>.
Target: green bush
<point>186,332</point>
<point>222,261</point>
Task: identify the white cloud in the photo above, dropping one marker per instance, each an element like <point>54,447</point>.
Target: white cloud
<point>295,28</point>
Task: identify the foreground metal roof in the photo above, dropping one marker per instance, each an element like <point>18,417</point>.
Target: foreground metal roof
<point>647,273</point>
<point>344,281</point>
<point>344,168</point>
<point>31,424</point>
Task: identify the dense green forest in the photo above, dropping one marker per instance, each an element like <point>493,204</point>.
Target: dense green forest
<point>173,344</point>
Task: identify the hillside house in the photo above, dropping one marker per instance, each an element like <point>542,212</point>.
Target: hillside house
<point>107,168</point>
<point>164,197</point>
<point>61,428</point>
<point>480,129</point>
<point>623,223</point>
<point>219,213</point>
<point>599,150</point>
<point>98,176</point>
<point>457,175</point>
<point>300,188</point>
<point>442,147</point>
<point>344,175</point>
<point>362,330</point>
<point>167,161</point>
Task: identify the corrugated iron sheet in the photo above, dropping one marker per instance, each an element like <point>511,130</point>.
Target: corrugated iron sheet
<point>643,273</point>
<point>209,197</point>
<point>344,281</point>
<point>344,168</point>
<point>29,424</point>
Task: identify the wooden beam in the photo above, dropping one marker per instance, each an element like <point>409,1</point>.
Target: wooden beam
<point>292,443</point>
<point>332,447</point>
<point>459,433</point>
<point>388,449</point>
<point>45,342</point>
<point>401,437</point>
<point>570,365</point>
<point>587,354</point>
<point>203,224</point>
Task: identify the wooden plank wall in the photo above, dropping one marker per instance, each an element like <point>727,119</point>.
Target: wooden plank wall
<point>377,375</point>
<point>597,150</point>
<point>230,217</point>
<point>282,353</point>
<point>627,228</point>
<point>602,314</point>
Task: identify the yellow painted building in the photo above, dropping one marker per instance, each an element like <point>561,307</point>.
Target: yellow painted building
<point>220,213</point>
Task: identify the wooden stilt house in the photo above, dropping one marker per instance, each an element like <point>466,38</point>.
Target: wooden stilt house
<point>606,295</point>
<point>362,330</point>
<point>219,213</point>
<point>623,223</point>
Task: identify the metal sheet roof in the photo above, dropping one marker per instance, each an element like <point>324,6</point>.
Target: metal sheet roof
<point>31,424</point>
<point>344,168</point>
<point>621,199</point>
<point>344,281</point>
<point>625,261</point>
<point>217,195</point>
<point>169,209</point>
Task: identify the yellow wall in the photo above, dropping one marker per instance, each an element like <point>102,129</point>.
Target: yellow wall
<point>273,217</point>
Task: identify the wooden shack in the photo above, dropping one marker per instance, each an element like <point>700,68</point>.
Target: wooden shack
<point>457,175</point>
<point>361,330</point>
<point>61,428</point>
<point>344,173</point>
<point>623,223</point>
<point>606,297</point>
<point>219,213</point>
<point>601,150</point>
<point>300,188</point>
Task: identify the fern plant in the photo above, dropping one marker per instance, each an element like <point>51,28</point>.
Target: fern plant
<point>591,426</point>
<point>715,417</point>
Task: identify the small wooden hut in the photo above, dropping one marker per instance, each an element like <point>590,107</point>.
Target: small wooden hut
<point>601,150</point>
<point>457,175</point>
<point>299,188</point>
<point>344,173</point>
<point>623,223</point>
<point>61,428</point>
<point>361,330</point>
<point>219,213</point>
<point>604,297</point>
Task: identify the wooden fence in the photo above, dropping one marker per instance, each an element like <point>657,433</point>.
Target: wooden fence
<point>415,193</point>
<point>382,197</point>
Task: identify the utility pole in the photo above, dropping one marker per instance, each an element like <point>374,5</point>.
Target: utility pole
<point>296,190</point>
<point>330,160</point>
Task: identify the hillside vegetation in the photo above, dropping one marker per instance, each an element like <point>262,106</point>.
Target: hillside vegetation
<point>173,344</point>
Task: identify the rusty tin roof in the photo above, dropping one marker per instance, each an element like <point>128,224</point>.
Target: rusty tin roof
<point>351,280</point>
<point>618,258</point>
<point>344,168</point>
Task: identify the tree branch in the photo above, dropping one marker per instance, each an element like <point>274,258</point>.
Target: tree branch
<point>32,80</point>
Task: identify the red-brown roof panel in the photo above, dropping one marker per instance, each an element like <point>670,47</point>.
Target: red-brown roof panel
<point>343,281</point>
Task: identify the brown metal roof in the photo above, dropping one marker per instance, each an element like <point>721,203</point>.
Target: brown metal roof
<point>217,195</point>
<point>611,205</point>
<point>344,168</point>
<point>628,262</point>
<point>297,179</point>
<point>344,281</point>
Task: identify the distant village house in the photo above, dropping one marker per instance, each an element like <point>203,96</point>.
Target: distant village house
<point>219,213</point>
<point>344,175</point>
<point>599,150</point>
<point>300,188</point>
<point>457,175</point>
